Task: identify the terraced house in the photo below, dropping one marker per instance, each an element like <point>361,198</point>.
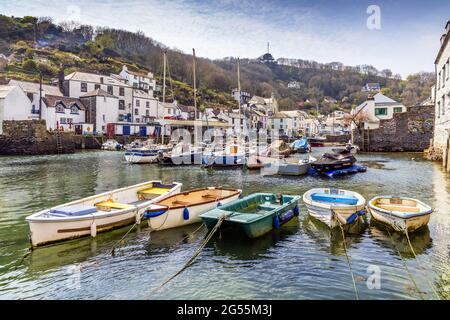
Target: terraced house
<point>442,93</point>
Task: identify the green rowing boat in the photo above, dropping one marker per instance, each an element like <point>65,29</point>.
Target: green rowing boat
<point>254,215</point>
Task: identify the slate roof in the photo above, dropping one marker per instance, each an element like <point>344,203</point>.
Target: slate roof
<point>52,101</point>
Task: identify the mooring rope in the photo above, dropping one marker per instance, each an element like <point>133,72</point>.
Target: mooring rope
<point>26,255</point>
<point>419,264</point>
<point>405,264</point>
<point>196,253</point>
<point>348,258</point>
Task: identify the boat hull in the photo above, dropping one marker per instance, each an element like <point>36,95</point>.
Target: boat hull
<point>285,169</point>
<point>184,159</point>
<point>141,157</point>
<point>224,160</point>
<point>400,224</point>
<point>174,218</point>
<point>47,231</point>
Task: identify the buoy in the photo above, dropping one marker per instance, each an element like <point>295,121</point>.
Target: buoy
<point>296,211</point>
<point>276,222</point>
<point>219,204</point>
<point>186,214</point>
<point>352,218</point>
<point>93,229</point>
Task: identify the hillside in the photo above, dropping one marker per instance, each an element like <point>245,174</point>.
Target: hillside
<point>35,45</point>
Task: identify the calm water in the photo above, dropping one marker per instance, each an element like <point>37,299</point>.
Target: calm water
<point>303,260</point>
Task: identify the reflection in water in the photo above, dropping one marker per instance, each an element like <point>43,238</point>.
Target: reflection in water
<point>398,243</point>
<point>331,239</point>
<point>238,247</point>
<point>302,260</point>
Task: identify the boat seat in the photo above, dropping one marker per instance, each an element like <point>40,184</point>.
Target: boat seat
<point>182,203</point>
<point>108,205</point>
<point>399,208</point>
<point>209,196</point>
<point>334,198</point>
<point>268,206</point>
<point>153,191</point>
<point>75,210</point>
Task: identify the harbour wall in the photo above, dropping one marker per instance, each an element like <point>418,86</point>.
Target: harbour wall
<point>409,131</point>
<point>30,137</point>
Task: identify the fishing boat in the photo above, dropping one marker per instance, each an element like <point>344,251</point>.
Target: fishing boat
<point>142,155</point>
<point>288,166</point>
<point>181,154</point>
<point>255,162</point>
<point>301,146</point>
<point>112,145</point>
<point>333,161</point>
<point>254,215</point>
<point>99,213</point>
<point>186,207</point>
<point>334,207</point>
<point>279,148</point>
<point>401,213</point>
<point>230,156</point>
<point>349,148</point>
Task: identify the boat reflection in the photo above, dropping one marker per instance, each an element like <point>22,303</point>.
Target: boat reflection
<point>237,246</point>
<point>169,239</point>
<point>331,239</point>
<point>420,240</point>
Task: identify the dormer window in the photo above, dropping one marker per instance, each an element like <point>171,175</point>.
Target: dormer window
<point>60,108</point>
<point>74,110</point>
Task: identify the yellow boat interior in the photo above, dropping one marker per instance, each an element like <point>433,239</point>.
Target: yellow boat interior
<point>197,197</point>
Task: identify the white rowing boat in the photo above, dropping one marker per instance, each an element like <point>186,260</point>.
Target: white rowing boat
<point>402,214</point>
<point>97,213</point>
<point>186,207</point>
<point>334,207</point>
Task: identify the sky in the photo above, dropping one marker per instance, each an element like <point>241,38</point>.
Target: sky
<point>399,35</point>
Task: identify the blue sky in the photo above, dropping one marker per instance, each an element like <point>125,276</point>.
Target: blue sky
<point>319,30</point>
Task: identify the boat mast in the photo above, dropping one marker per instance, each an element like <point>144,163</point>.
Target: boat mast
<point>164,77</point>
<point>195,86</point>
<point>240,96</point>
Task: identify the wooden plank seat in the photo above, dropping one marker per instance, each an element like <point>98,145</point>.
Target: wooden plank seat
<point>209,196</point>
<point>181,203</point>
<point>153,191</point>
<point>108,205</point>
<point>398,208</point>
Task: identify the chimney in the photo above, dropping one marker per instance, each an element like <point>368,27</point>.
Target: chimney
<point>443,38</point>
<point>61,81</point>
<point>370,97</point>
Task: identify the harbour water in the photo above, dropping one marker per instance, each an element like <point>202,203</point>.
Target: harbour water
<point>302,260</point>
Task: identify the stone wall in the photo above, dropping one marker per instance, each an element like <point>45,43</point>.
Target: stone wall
<point>30,137</point>
<point>342,138</point>
<point>408,131</point>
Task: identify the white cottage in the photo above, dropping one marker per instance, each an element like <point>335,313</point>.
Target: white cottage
<point>63,113</point>
<point>145,107</point>
<point>139,80</point>
<point>377,108</point>
<point>442,92</point>
<point>14,105</point>
<point>79,84</point>
<point>35,91</point>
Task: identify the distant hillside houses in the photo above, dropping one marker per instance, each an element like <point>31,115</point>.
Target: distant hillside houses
<point>371,87</point>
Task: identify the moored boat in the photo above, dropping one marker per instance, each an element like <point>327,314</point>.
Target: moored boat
<point>97,213</point>
<point>333,161</point>
<point>112,145</point>
<point>301,145</point>
<point>288,167</point>
<point>254,215</point>
<point>186,207</point>
<point>401,213</point>
<point>142,155</point>
<point>232,155</point>
<point>181,154</point>
<point>334,207</point>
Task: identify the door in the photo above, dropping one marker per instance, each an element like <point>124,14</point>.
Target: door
<point>143,131</point>
<point>126,130</point>
<point>78,129</point>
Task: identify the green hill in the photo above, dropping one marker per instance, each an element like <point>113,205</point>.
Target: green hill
<point>36,45</point>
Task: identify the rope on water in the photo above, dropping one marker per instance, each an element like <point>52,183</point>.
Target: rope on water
<point>418,263</point>
<point>196,253</point>
<point>405,264</point>
<point>348,258</point>
<point>26,255</point>
<point>121,240</point>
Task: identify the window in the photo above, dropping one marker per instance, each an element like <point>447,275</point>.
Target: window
<point>69,121</point>
<point>83,87</point>
<point>147,104</point>
<point>104,118</point>
<point>97,86</point>
<point>62,120</point>
<point>147,113</point>
<point>60,109</point>
<point>74,110</point>
<point>110,90</point>
<point>443,104</point>
<point>169,111</point>
<point>136,112</point>
<point>121,104</point>
<point>134,85</point>
<point>137,120</point>
<point>138,103</point>
<point>398,109</point>
<point>121,92</point>
<point>380,111</point>
<point>439,110</point>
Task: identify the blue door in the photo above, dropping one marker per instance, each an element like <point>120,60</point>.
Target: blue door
<point>126,130</point>
<point>143,131</point>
